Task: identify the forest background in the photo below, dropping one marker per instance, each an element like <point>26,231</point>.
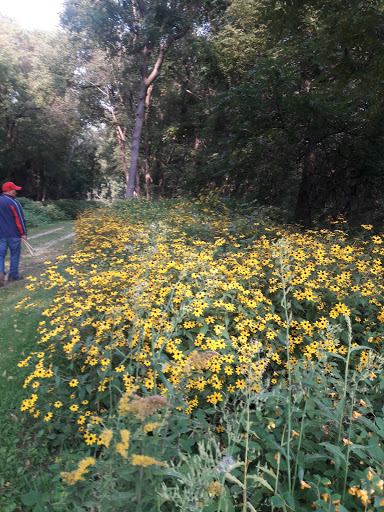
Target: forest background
<point>278,102</point>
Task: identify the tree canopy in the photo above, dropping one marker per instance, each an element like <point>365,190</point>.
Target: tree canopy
<point>276,102</point>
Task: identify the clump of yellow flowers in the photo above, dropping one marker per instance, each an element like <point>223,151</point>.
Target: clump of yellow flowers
<point>191,300</point>
<point>74,476</point>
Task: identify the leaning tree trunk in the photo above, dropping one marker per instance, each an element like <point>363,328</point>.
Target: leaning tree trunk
<point>136,138</point>
<point>148,177</point>
<point>146,82</point>
<point>121,140</point>
<point>303,204</point>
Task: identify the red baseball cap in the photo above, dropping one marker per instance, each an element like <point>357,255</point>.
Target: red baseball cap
<point>10,186</point>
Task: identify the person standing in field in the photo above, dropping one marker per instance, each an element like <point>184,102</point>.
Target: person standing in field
<point>12,231</point>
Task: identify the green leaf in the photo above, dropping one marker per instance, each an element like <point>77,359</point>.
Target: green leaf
<point>234,480</point>
<point>378,501</point>
<point>360,347</point>
<point>262,481</point>
<point>359,451</point>
<point>277,501</point>
<point>370,424</point>
<point>337,356</point>
<point>328,412</point>
<point>340,409</point>
<point>314,457</point>
<point>376,452</point>
<point>187,443</point>
<point>30,498</point>
<point>289,499</point>
<point>379,422</point>
<point>338,455</point>
<point>252,445</point>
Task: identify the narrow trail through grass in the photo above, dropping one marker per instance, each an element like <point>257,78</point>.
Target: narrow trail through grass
<point>20,452</point>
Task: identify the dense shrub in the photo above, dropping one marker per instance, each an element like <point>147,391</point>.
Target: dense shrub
<point>38,213</point>
<point>73,208</point>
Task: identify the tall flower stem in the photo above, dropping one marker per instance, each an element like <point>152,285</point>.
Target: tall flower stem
<point>348,446</point>
<point>348,320</point>
<point>248,426</point>
<point>286,308</point>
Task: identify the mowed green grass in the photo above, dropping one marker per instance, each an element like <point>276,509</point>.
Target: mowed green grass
<point>22,451</point>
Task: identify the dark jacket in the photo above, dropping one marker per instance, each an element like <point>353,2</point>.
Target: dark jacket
<point>12,221</point>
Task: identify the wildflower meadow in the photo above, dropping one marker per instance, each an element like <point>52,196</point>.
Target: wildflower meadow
<point>201,357</point>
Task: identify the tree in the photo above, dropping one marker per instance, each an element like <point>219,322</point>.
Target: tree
<point>140,29</point>
<point>105,96</point>
<point>302,117</point>
<point>41,135</point>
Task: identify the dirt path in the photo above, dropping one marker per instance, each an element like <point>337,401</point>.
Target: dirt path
<point>45,233</point>
<point>48,244</point>
<point>52,242</point>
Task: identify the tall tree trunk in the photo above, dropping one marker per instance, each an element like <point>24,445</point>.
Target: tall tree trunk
<point>303,204</point>
<point>148,177</point>
<point>121,139</point>
<point>120,133</point>
<point>136,138</point>
<point>137,186</point>
<point>146,83</point>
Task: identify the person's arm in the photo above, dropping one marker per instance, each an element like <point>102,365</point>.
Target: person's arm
<point>19,219</point>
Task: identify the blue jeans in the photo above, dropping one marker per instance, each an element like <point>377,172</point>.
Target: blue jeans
<point>14,245</point>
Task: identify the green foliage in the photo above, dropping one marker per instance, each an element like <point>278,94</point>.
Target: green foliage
<point>299,125</point>
<point>72,208</point>
<point>24,450</point>
<point>43,141</point>
<point>38,213</point>
<point>135,465</point>
<point>335,458</point>
<point>290,412</point>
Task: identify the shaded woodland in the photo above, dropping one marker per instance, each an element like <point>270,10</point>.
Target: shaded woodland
<point>276,103</point>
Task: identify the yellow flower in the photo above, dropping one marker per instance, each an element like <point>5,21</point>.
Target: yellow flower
<point>106,437</point>
<point>125,435</point>
<point>124,445</point>
<point>74,476</point>
<point>120,448</point>
<point>214,489</point>
<point>371,473</point>
<point>150,427</point>
<point>90,439</point>
<point>144,461</point>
